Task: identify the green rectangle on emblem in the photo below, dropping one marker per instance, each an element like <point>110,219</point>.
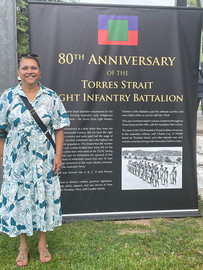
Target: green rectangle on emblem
<point>118,30</point>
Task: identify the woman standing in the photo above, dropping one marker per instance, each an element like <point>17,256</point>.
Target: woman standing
<point>30,195</point>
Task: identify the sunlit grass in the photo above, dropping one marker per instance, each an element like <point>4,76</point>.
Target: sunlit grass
<point>161,243</point>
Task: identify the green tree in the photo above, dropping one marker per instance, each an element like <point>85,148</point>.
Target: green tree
<point>22,26</point>
<point>192,3</point>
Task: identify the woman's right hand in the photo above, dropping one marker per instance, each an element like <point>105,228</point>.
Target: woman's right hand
<point>2,142</point>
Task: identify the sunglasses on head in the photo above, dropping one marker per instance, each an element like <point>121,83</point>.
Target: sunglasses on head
<point>29,55</point>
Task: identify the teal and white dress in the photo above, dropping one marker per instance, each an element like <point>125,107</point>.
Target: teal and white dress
<point>30,195</point>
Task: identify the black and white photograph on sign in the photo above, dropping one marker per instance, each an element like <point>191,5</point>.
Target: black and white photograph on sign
<point>151,168</point>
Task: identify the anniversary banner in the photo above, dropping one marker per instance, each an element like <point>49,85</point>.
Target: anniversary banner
<point>128,78</point>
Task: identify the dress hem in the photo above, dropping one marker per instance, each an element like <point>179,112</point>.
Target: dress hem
<point>34,230</point>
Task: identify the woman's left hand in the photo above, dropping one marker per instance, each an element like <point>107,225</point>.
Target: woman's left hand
<point>57,164</point>
<point>59,136</point>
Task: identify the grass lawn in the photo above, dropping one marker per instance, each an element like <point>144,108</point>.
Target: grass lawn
<point>162,243</point>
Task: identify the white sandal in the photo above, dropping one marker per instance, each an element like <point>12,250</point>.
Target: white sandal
<point>44,254</point>
<point>23,253</point>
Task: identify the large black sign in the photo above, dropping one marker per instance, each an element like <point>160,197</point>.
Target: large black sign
<point>128,79</point>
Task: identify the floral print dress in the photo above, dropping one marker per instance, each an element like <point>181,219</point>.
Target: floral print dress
<point>30,195</point>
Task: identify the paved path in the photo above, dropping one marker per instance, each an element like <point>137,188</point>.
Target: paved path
<point>199,123</point>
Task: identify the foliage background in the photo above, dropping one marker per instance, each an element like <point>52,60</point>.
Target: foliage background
<point>23,24</point>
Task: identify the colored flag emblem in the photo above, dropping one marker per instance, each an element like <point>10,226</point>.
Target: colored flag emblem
<point>117,30</point>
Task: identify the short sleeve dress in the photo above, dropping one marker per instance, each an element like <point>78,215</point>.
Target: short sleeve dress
<point>30,197</point>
